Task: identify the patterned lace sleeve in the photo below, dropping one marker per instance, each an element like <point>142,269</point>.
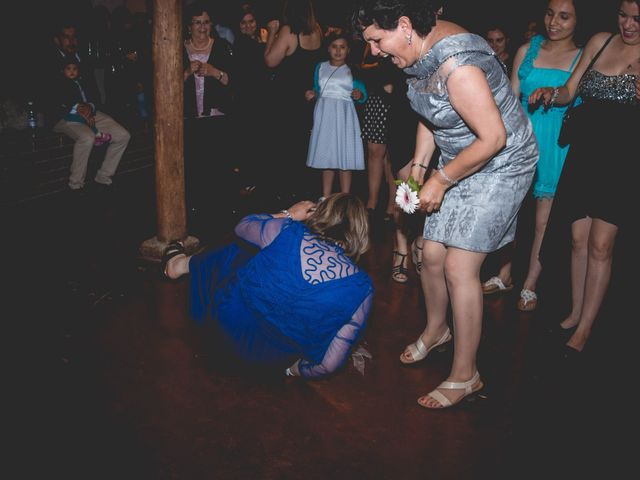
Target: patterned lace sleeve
<point>340,346</point>
<point>260,229</point>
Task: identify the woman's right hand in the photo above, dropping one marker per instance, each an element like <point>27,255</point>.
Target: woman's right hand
<point>194,66</point>
<point>302,210</point>
<point>542,94</point>
<point>273,26</point>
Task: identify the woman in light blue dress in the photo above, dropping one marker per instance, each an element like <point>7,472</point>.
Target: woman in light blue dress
<point>545,60</point>
<point>487,162</point>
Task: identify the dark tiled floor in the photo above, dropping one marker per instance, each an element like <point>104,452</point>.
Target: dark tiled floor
<point>113,381</point>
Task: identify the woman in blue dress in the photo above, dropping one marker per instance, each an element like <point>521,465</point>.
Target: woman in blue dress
<point>300,302</point>
<point>488,155</point>
<point>545,60</point>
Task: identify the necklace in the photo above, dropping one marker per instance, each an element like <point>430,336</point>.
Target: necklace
<point>421,47</point>
<point>201,49</point>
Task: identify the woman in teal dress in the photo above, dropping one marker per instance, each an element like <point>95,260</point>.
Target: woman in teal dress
<point>545,60</point>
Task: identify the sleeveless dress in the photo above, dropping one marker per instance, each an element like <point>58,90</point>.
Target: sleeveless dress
<point>480,212</point>
<point>336,142</point>
<point>546,123</point>
<point>591,183</point>
<point>296,298</point>
<point>596,183</point>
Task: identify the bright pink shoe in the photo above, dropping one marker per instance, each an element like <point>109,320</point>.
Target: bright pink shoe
<point>102,138</point>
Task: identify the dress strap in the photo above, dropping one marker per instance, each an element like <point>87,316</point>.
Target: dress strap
<point>575,59</point>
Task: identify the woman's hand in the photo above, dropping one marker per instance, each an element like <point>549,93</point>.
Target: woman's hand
<point>302,210</point>
<point>194,66</point>
<point>432,193</point>
<point>309,95</point>
<point>356,94</point>
<point>273,26</point>
<point>543,94</point>
<point>204,69</point>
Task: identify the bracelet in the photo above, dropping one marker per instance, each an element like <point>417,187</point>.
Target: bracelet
<point>220,75</point>
<point>446,177</point>
<point>421,165</point>
<point>286,212</point>
<point>554,96</point>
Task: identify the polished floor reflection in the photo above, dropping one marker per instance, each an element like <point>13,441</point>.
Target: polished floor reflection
<point>116,383</point>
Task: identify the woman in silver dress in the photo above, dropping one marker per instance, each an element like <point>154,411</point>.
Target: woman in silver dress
<point>487,162</point>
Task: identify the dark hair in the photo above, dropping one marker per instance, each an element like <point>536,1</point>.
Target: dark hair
<point>299,15</point>
<point>70,60</point>
<point>385,14</point>
<point>583,28</point>
<point>337,35</point>
<point>197,9</point>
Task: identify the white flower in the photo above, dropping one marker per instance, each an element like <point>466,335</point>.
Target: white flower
<point>407,198</point>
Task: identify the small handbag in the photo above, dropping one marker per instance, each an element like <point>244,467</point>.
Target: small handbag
<point>571,127</point>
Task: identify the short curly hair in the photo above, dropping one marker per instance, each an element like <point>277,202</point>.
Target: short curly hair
<point>385,14</point>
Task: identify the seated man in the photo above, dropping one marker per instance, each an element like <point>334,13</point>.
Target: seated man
<point>84,137</point>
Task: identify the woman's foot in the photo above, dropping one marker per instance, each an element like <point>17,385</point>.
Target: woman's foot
<point>173,255</point>
<point>399,270</point>
<point>451,392</point>
<point>419,350</point>
<point>496,285</point>
<point>528,300</point>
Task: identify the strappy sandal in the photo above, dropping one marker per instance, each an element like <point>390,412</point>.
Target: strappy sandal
<point>419,351</point>
<point>399,272</point>
<point>528,300</point>
<point>416,256</point>
<point>175,248</point>
<point>495,285</point>
<point>470,387</point>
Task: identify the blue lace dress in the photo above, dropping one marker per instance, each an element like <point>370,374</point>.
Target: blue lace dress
<point>546,123</point>
<point>479,214</point>
<point>297,298</point>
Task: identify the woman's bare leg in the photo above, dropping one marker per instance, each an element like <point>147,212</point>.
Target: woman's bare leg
<point>602,238</point>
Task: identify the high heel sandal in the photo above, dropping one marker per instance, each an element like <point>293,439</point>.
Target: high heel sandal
<point>416,256</point>
<point>399,272</point>
<point>419,350</point>
<point>470,387</point>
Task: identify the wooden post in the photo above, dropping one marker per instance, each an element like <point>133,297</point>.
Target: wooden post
<point>168,130</point>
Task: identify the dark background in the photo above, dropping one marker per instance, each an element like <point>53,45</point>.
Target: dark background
<point>26,27</point>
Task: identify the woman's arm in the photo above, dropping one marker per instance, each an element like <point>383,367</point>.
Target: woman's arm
<point>425,146</point>
<point>278,44</point>
<point>339,348</point>
<point>471,97</point>
<point>565,93</point>
<point>517,61</point>
<point>261,229</point>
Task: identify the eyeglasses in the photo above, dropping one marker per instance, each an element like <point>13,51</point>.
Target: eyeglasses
<point>203,23</point>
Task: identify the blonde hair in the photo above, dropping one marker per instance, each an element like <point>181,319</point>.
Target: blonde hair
<point>342,219</point>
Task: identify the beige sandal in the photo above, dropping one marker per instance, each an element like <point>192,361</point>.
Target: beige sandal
<point>419,351</point>
<point>470,386</point>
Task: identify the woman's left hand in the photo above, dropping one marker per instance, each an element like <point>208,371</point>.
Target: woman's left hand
<point>204,69</point>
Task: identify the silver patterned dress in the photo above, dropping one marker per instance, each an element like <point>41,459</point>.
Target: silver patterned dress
<point>479,213</point>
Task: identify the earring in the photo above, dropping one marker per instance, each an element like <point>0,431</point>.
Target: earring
<point>409,37</point>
